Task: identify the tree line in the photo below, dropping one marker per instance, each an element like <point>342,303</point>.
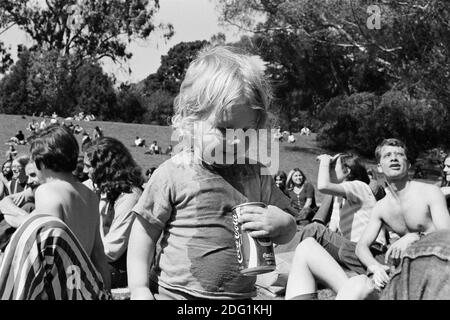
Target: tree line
<point>355,71</point>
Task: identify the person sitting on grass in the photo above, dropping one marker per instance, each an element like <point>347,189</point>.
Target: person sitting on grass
<point>417,212</point>
<point>11,153</point>
<point>154,148</point>
<point>19,138</point>
<point>19,178</point>
<point>302,195</point>
<point>280,180</point>
<point>189,198</point>
<point>23,200</point>
<point>414,267</point>
<point>117,178</point>
<point>319,255</point>
<point>138,142</point>
<point>55,152</point>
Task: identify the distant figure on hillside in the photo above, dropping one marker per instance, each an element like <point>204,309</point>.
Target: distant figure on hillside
<point>54,118</point>
<point>278,135</point>
<point>98,133</point>
<point>19,138</point>
<point>305,131</point>
<point>32,126</point>
<point>89,117</point>
<point>43,123</point>
<point>154,148</point>
<point>11,153</point>
<point>169,150</point>
<point>77,129</point>
<point>138,142</point>
<point>291,138</point>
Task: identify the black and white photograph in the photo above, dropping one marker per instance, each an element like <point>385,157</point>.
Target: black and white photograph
<point>234,153</point>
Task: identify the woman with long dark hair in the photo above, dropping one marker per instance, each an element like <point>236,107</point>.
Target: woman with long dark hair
<point>280,180</point>
<point>117,179</point>
<point>302,196</point>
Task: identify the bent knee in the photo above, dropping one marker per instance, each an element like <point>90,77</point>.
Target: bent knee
<point>362,285</point>
<point>306,245</point>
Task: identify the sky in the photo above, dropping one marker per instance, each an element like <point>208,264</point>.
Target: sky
<point>192,20</point>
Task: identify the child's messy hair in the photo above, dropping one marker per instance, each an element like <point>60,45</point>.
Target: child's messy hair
<point>217,79</point>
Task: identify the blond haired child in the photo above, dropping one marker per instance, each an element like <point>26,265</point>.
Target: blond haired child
<point>187,203</point>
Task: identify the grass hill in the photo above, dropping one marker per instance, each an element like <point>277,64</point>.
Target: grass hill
<point>301,154</point>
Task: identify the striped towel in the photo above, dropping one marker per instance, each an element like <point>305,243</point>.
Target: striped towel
<point>44,260</point>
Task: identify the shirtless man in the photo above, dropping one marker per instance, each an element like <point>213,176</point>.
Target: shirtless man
<point>412,209</point>
<point>55,153</point>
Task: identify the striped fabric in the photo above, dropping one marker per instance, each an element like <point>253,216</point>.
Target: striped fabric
<point>44,260</point>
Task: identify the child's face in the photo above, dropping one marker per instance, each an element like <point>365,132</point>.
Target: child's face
<point>393,162</point>
<point>238,117</point>
<point>218,132</point>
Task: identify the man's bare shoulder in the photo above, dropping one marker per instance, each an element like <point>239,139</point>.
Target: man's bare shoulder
<point>425,189</point>
<point>50,189</point>
<point>62,187</point>
<point>382,206</point>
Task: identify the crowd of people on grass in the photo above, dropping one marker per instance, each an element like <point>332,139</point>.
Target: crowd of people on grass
<point>76,222</point>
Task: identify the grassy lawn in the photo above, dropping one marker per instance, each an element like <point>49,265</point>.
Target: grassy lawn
<point>301,154</point>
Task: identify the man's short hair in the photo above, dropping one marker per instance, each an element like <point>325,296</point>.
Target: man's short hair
<point>393,142</point>
<point>56,148</point>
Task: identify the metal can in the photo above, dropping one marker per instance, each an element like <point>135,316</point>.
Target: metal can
<point>255,255</point>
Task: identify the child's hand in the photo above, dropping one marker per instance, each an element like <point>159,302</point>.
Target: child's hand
<point>256,221</point>
<point>268,222</point>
